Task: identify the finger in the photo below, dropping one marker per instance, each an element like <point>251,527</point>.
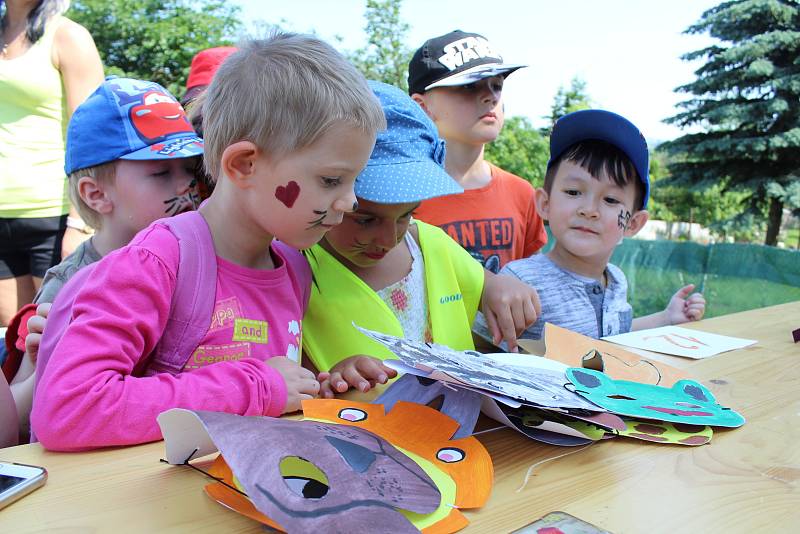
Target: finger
<point>684,291</point>
<point>36,324</point>
<point>43,309</point>
<point>310,387</point>
<point>505,323</point>
<point>354,378</point>
<point>391,373</point>
<point>325,390</point>
<point>491,322</point>
<point>338,383</point>
<point>517,309</point>
<point>371,369</point>
<point>323,376</point>
<point>529,312</point>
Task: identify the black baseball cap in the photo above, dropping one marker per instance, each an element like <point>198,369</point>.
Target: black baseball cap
<point>455,58</point>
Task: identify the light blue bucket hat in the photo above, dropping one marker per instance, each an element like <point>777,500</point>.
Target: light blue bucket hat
<point>407,163</point>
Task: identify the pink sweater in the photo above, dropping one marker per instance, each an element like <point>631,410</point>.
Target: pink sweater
<point>94,391</point>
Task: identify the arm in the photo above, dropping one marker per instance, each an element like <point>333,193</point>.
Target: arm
<point>510,306</point>
<point>92,394</point>
<point>76,57</point>
<point>684,306</point>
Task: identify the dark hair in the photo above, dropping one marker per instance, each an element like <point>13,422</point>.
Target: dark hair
<point>38,17</point>
<point>595,156</point>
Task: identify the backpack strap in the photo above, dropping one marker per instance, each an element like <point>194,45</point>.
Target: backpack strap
<point>298,269</point>
<point>195,291</point>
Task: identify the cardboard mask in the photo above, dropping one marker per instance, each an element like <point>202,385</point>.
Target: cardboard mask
<point>662,432</point>
<point>402,480</point>
<point>459,404</point>
<point>686,401</point>
<point>571,348</point>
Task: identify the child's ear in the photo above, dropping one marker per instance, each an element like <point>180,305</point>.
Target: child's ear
<point>94,195</point>
<point>420,99</point>
<point>542,203</point>
<point>637,222</point>
<point>238,163</point>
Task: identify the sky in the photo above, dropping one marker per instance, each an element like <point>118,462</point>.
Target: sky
<point>627,51</point>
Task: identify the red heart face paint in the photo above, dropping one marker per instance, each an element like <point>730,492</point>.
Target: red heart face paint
<point>288,194</point>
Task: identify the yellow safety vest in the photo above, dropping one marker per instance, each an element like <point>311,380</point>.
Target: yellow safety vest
<point>339,298</point>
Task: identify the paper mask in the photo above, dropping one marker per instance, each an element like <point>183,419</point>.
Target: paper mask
<point>331,472</point>
<point>686,402</point>
<point>663,432</point>
<point>459,404</point>
<point>540,386</point>
<point>570,348</point>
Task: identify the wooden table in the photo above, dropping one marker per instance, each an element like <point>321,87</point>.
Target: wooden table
<point>745,480</point>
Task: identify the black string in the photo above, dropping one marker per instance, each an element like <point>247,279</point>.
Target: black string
<point>209,475</point>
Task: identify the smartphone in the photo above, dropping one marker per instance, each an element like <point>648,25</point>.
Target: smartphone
<point>17,480</point>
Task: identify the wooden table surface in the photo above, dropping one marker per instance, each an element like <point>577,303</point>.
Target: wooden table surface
<point>745,480</point>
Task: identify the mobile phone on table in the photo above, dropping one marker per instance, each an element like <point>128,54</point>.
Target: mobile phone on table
<point>17,480</point>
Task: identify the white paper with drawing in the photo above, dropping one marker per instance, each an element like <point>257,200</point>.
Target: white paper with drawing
<point>680,341</point>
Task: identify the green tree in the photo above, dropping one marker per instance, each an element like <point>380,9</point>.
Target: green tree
<point>746,101</point>
<point>567,100</point>
<point>386,56</point>
<point>520,149</point>
<point>156,39</point>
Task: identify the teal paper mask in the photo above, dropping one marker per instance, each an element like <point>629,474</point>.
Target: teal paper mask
<point>686,401</point>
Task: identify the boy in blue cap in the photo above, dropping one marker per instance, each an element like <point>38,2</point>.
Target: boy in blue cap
<point>382,270</point>
<point>595,193</point>
<point>131,155</point>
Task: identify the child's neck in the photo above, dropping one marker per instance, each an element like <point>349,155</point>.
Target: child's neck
<point>108,238</point>
<point>235,239</point>
<point>580,265</point>
<point>466,165</point>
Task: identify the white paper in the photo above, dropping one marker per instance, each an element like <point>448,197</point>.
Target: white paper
<point>679,341</point>
<point>185,437</point>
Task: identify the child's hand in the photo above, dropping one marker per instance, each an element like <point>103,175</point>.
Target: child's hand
<point>684,307</point>
<point>359,372</point>
<point>510,306</point>
<point>300,382</point>
<point>36,326</point>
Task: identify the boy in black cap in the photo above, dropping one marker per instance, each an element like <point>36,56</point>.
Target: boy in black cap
<point>595,193</point>
<point>458,79</point>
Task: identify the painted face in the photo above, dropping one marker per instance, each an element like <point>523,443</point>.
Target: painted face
<point>587,216</point>
<point>470,114</point>
<point>367,235</point>
<point>144,191</point>
<point>686,401</point>
<point>299,196</point>
<point>159,115</point>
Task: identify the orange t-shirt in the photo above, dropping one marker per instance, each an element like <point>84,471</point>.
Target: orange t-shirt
<point>496,223</point>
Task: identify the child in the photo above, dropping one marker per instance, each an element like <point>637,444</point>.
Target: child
<point>288,124</point>
<point>595,193</point>
<point>458,79</point>
<point>385,271</point>
<point>115,194</point>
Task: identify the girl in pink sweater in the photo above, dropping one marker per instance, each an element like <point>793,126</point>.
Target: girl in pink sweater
<point>288,126</point>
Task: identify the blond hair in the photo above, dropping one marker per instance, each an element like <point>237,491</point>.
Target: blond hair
<point>282,93</point>
<point>104,173</point>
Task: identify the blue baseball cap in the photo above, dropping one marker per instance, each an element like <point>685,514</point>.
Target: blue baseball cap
<point>129,119</point>
<point>407,163</point>
<point>604,126</point>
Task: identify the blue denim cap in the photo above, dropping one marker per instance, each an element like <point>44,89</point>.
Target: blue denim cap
<point>605,126</point>
<point>407,163</point>
<point>129,119</point>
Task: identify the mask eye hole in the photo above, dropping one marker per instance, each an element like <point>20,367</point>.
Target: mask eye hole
<point>450,455</point>
<point>352,414</point>
<point>303,478</point>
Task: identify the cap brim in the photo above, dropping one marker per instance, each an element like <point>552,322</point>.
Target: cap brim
<point>474,74</point>
<point>398,183</point>
<point>174,148</point>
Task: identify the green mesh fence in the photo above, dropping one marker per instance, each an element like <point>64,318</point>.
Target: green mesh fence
<point>733,277</point>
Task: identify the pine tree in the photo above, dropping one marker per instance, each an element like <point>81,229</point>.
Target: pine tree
<point>746,100</point>
<point>567,100</point>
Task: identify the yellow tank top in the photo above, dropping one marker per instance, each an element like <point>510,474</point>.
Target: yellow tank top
<point>33,124</point>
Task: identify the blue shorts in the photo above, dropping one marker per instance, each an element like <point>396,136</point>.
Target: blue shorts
<point>30,246</point>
